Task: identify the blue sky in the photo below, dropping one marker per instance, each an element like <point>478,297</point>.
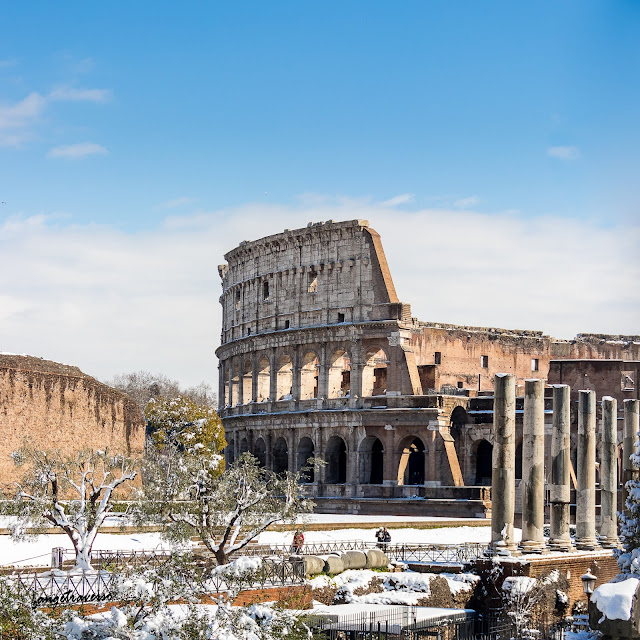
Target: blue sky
<point>128,124</point>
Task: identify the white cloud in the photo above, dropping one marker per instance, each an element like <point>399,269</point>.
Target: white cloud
<point>79,150</point>
<point>71,94</point>
<point>18,120</point>
<point>465,203</point>
<point>110,302</point>
<point>177,202</point>
<point>403,198</point>
<point>564,153</point>
<point>6,64</point>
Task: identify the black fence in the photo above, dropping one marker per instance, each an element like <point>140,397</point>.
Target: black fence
<point>395,623</point>
<point>406,552</point>
<point>59,588</point>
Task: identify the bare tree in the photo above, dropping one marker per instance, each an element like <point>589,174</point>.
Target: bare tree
<point>143,386</point>
<point>73,493</point>
<point>185,493</point>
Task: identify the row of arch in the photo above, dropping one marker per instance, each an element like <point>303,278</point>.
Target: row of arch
<point>257,380</point>
<point>370,459</point>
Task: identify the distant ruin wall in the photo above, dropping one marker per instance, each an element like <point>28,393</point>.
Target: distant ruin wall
<point>50,405</point>
<point>472,355</point>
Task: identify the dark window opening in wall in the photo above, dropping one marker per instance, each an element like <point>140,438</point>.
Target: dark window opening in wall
<point>238,299</point>
<point>249,331</point>
<point>341,317</point>
<point>313,282</point>
<point>484,362</point>
<point>265,290</point>
<point>460,385</point>
<point>437,357</point>
<point>535,364</point>
<point>287,324</point>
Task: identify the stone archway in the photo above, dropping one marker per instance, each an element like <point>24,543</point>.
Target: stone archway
<point>371,458</point>
<point>280,456</point>
<point>306,450</point>
<point>336,458</point>
<point>412,458</point>
<point>260,452</point>
<point>484,463</point>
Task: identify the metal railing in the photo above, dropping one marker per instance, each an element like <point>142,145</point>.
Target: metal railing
<point>58,588</point>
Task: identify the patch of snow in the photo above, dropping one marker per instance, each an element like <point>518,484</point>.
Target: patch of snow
<point>614,599</point>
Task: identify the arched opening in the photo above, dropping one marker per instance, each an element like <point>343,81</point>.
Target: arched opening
<point>519,462</point>
<point>309,376</point>
<point>336,454</point>
<point>260,452</point>
<point>280,456</point>
<point>284,382</point>
<point>244,445</point>
<point>305,451</point>
<point>247,382</point>
<point>411,468</point>
<point>371,458</point>
<point>339,374</point>
<point>264,380</point>
<point>227,391</point>
<point>235,385</point>
<point>484,463</point>
<point>231,450</point>
<point>374,373</point>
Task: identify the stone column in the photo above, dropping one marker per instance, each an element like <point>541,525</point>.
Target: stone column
<point>560,489</point>
<point>631,428</point>
<point>586,476</point>
<point>533,467</point>
<point>503,478</point>
<point>609,474</point>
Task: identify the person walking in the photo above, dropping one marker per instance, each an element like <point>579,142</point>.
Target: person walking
<point>298,541</point>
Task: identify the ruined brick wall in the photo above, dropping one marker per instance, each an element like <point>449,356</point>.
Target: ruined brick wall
<point>616,378</point>
<point>50,405</point>
<point>472,355</point>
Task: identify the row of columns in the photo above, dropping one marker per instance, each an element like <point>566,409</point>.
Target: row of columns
<point>503,476</point>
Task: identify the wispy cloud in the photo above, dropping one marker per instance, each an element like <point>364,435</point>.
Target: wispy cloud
<point>465,203</point>
<point>10,62</point>
<point>564,153</point>
<point>72,94</point>
<point>403,198</point>
<point>177,202</point>
<point>18,120</point>
<point>79,150</point>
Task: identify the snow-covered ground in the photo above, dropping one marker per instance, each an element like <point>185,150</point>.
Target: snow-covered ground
<point>444,535</point>
<point>37,552</point>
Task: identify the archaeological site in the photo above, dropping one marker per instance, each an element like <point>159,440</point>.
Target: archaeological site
<point>48,405</point>
<point>319,358</point>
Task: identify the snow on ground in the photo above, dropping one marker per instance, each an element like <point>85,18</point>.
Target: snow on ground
<point>406,588</point>
<point>37,552</point>
<point>444,535</point>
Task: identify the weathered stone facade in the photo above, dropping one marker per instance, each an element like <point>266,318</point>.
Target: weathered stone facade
<point>53,406</point>
<point>318,357</point>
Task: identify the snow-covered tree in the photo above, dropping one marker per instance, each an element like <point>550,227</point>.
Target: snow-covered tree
<point>190,425</point>
<point>629,559</point>
<point>74,493</point>
<point>184,492</point>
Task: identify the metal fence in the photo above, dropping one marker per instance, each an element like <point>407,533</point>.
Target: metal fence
<point>58,588</point>
<point>396,623</point>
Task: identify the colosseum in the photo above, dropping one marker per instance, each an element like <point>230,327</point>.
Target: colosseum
<point>319,358</point>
